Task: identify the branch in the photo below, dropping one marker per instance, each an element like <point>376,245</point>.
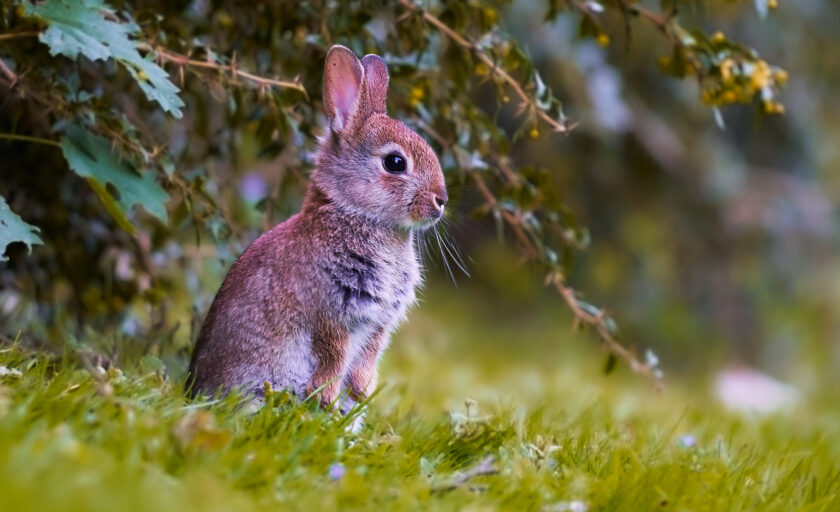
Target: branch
<point>183,61</point>
<point>661,22</point>
<point>13,78</point>
<point>527,101</point>
<point>16,35</point>
<point>13,81</point>
<point>28,138</point>
<point>597,322</point>
<point>511,219</point>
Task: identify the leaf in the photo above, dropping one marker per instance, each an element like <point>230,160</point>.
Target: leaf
<point>80,26</point>
<point>609,364</point>
<point>91,157</point>
<point>14,229</point>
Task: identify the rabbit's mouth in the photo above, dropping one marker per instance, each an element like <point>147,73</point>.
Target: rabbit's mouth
<point>423,224</point>
<point>425,210</point>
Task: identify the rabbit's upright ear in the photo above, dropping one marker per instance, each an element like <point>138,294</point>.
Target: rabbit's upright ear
<point>376,81</point>
<point>343,84</point>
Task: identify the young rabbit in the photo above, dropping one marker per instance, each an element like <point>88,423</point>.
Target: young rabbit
<point>313,301</point>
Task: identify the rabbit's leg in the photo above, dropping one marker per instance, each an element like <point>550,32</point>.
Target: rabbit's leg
<point>329,343</point>
<point>361,378</point>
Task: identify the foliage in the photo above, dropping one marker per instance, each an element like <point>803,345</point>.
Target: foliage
<point>82,27</point>
<point>14,229</point>
<point>78,88</point>
<point>90,157</point>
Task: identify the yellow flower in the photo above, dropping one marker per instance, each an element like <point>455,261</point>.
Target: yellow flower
<point>728,97</point>
<point>603,40</point>
<point>718,37</point>
<point>773,107</point>
<point>780,76</point>
<point>534,133</point>
<point>760,75</point>
<point>726,70</point>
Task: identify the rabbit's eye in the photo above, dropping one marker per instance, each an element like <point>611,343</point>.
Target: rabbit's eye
<point>394,163</point>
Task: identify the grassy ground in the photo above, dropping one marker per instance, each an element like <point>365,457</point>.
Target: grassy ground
<point>521,400</point>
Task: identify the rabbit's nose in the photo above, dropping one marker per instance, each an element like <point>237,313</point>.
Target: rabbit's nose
<point>440,199</point>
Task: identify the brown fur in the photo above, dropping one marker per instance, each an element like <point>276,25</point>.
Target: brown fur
<point>362,377</point>
<point>313,301</point>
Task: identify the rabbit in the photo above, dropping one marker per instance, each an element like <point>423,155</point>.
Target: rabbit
<point>312,302</point>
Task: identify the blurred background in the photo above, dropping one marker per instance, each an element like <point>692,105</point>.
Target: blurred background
<point>713,233</point>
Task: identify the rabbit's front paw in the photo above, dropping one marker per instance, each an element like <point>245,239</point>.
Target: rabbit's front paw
<point>362,381</point>
<point>326,388</point>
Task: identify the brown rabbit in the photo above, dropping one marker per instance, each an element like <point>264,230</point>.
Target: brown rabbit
<point>313,302</point>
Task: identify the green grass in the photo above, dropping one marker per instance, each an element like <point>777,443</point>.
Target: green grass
<point>461,386</point>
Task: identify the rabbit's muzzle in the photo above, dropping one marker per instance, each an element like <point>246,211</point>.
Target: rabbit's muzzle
<point>427,207</point>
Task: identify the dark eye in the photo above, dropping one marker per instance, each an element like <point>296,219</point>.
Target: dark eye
<point>394,163</point>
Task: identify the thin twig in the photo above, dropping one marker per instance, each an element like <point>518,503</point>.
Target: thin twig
<point>661,22</point>
<point>510,218</point>
<point>17,35</point>
<point>183,60</point>
<point>39,98</point>
<point>28,138</point>
<point>596,322</point>
<point>9,73</point>
<point>528,102</point>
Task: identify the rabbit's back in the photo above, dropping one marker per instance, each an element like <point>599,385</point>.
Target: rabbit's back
<point>256,326</point>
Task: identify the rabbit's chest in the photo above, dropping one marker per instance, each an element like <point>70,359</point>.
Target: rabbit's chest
<point>370,293</point>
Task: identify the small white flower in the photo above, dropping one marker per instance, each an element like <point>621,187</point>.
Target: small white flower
<point>688,440</point>
<point>595,7</point>
<point>568,506</point>
<point>13,372</point>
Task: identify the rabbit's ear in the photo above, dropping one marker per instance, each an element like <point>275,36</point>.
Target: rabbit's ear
<point>376,80</point>
<point>343,83</point>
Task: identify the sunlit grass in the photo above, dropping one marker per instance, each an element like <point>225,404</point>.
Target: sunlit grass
<point>460,386</point>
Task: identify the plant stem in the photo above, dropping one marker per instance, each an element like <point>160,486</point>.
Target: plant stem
<point>18,35</point>
<point>29,138</point>
<point>183,60</point>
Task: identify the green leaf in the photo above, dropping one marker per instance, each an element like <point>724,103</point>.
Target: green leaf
<point>80,26</point>
<point>91,157</point>
<point>14,229</point>
<point>609,364</point>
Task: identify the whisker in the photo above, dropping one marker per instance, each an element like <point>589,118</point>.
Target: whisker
<point>450,226</point>
<point>443,255</point>
<point>424,247</point>
<point>452,249</point>
<point>456,259</point>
